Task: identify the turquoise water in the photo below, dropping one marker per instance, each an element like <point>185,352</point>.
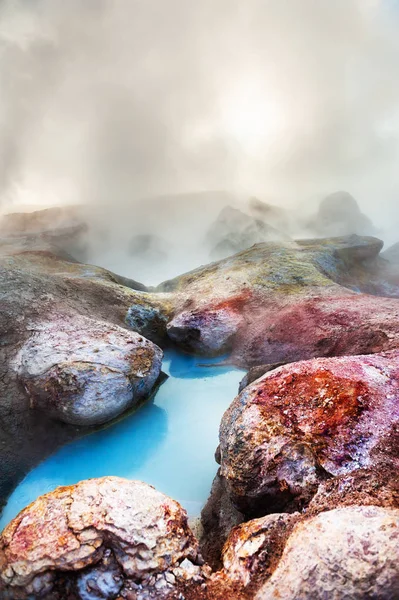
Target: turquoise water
<point>169,443</point>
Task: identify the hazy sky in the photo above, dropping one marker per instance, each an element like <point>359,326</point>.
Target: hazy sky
<point>107,101</point>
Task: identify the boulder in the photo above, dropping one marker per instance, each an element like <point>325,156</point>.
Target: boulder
<point>86,372</point>
<point>67,349</point>
<point>234,231</point>
<point>98,539</point>
<point>253,548</point>
<point>339,214</point>
<point>286,301</point>
<point>340,543</point>
<point>349,552</point>
<point>392,254</point>
<point>303,423</point>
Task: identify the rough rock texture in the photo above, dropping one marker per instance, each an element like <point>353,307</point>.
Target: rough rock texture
<point>86,372</point>
<point>339,214</point>
<point>234,231</point>
<point>282,302</point>
<point>60,542</point>
<point>344,553</point>
<point>303,423</point>
<point>45,298</point>
<point>149,319</point>
<point>218,517</point>
<point>253,549</point>
<point>63,227</point>
<point>375,486</point>
<point>255,372</point>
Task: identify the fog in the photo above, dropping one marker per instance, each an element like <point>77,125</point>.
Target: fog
<point>110,103</point>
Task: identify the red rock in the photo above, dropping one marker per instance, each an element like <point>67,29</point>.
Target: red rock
<point>77,527</point>
<point>303,423</point>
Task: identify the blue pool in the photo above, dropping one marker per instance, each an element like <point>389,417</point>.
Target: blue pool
<point>169,442</point>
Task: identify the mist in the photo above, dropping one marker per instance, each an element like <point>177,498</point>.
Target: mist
<point>133,107</point>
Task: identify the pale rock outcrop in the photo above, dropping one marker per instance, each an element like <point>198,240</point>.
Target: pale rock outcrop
<point>86,372</point>
<point>106,533</point>
<point>349,552</point>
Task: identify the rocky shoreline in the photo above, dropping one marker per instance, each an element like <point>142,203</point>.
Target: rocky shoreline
<point>306,501</point>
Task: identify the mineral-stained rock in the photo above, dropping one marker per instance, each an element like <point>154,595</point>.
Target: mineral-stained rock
<point>282,302</point>
<point>149,319</point>
<point>86,372</point>
<point>370,486</point>
<point>256,372</point>
<point>303,423</point>
<point>218,518</point>
<point>349,552</point>
<point>253,548</point>
<point>104,533</point>
<point>67,322</point>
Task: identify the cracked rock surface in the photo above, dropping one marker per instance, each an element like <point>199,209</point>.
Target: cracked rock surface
<point>86,372</point>
<point>74,528</point>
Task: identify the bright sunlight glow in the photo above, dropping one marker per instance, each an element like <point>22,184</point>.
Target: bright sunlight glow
<point>253,118</point>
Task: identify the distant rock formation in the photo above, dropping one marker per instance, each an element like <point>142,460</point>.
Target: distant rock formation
<point>234,231</point>
<point>64,228</point>
<point>148,247</point>
<point>392,254</point>
<point>269,213</point>
<point>339,214</point>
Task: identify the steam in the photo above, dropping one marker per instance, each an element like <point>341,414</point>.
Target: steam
<point>109,102</point>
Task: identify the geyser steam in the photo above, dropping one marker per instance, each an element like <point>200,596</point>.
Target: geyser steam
<point>110,102</point>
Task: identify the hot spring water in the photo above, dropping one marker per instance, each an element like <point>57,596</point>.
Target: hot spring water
<point>169,442</point>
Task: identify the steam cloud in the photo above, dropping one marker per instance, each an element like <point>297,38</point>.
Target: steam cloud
<point>111,101</point>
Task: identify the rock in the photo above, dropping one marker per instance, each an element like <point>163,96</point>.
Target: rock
<point>149,320</point>
<point>283,302</point>
<point>86,372</point>
<point>392,254</point>
<point>234,231</point>
<point>218,517</point>
<point>339,214</point>
<point>255,372</point>
<point>253,548</point>
<point>96,537</point>
<point>303,423</point>
<point>349,552</point>
<point>44,298</point>
<point>368,486</point>
<point>275,215</point>
<point>63,227</point>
